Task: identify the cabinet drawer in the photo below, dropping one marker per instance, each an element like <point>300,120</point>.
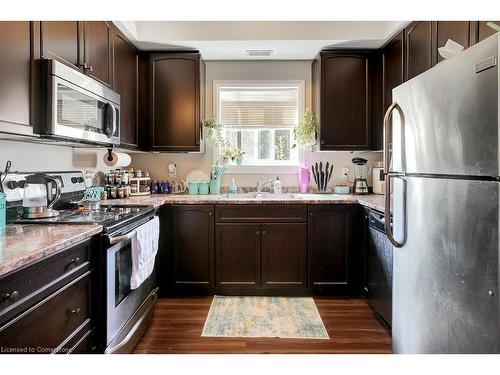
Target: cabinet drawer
<point>261,213</point>
<point>31,284</point>
<point>47,325</point>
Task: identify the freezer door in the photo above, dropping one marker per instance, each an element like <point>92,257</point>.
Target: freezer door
<point>451,116</point>
<point>445,280</point>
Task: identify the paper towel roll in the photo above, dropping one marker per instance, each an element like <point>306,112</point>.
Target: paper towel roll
<point>118,159</point>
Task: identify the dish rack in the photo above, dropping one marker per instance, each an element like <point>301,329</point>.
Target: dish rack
<point>140,186</point>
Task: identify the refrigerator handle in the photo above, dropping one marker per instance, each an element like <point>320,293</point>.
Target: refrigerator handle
<point>389,175</point>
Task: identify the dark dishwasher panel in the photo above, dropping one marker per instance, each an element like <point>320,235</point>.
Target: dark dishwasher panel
<point>379,267</point>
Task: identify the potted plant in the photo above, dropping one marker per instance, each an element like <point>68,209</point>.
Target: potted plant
<point>213,131</point>
<point>230,154</point>
<point>305,132</point>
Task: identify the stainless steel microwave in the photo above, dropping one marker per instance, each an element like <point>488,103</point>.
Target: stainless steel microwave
<point>78,107</point>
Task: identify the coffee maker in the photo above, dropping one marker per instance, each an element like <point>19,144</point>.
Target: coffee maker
<point>361,180</point>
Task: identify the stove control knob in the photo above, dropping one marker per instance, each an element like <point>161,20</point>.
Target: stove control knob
<point>74,180</point>
<point>12,185</point>
<point>21,184</point>
<point>80,179</point>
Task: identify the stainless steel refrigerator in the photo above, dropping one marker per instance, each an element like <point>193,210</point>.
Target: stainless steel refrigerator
<point>444,178</point>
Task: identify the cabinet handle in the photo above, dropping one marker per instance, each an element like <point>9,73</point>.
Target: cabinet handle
<point>210,214</point>
<point>311,214</point>
<point>74,261</point>
<point>12,297</point>
<point>72,312</point>
<point>264,232</point>
<point>257,232</point>
<point>87,67</point>
<point>323,142</point>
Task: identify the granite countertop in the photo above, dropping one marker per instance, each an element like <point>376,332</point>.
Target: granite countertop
<point>22,244</point>
<point>372,201</point>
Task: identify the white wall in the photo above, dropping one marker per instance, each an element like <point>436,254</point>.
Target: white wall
<point>157,164</point>
<point>40,157</point>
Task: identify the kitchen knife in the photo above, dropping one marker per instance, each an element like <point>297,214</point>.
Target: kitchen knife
<point>331,172</point>
<point>326,173</point>
<point>314,174</point>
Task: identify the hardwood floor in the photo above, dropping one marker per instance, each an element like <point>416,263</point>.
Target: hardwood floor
<point>178,323</point>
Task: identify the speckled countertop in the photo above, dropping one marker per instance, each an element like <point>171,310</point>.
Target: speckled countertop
<point>372,201</point>
<point>22,244</point>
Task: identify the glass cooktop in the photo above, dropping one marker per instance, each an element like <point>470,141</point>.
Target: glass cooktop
<point>105,216</point>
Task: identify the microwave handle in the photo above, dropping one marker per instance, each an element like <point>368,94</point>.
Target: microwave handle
<point>113,110</point>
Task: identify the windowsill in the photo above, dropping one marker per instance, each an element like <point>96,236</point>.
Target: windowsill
<point>262,169</point>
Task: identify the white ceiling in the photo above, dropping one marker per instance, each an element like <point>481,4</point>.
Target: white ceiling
<point>229,40</point>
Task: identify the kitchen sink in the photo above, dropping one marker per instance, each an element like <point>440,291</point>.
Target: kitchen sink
<point>260,196</point>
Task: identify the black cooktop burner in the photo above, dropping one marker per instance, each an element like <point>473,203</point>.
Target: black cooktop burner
<point>105,216</point>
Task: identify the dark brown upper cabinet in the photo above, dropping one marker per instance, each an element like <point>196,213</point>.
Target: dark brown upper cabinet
<point>61,40</point>
<point>341,87</point>
<point>175,101</point>
<point>98,50</point>
<point>16,88</point>
<point>458,31</point>
<point>483,31</point>
<point>125,83</point>
<point>418,48</point>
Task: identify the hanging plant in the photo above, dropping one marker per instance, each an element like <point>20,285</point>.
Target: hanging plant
<point>305,132</point>
<point>213,131</point>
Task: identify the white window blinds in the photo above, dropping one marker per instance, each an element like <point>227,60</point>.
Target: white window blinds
<point>258,106</point>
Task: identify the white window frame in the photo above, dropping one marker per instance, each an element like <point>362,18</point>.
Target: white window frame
<point>259,169</point>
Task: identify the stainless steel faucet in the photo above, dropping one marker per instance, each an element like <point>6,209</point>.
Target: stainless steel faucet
<point>261,184</point>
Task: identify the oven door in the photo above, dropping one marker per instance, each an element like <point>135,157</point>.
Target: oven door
<point>122,302</point>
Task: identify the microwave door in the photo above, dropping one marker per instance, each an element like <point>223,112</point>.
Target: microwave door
<point>82,115</point>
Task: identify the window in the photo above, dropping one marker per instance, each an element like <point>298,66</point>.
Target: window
<point>258,119</point>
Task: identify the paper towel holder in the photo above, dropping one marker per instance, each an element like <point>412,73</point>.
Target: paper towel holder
<point>110,154</point>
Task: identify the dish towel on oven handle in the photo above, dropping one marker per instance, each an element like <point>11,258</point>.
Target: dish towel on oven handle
<point>144,249</point>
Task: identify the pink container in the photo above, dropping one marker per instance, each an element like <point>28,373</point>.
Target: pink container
<point>304,178</point>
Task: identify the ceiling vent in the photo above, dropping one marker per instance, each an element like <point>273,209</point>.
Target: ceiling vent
<point>259,52</point>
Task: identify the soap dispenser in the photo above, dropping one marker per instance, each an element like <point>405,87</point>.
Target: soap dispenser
<point>277,186</point>
<point>233,189</point>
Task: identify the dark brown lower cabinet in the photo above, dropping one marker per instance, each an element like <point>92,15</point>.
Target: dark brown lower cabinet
<point>247,250</point>
<point>237,256</point>
<point>328,249</point>
<point>49,306</point>
<point>284,255</point>
<point>193,247</point>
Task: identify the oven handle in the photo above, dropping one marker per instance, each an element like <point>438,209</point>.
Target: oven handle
<point>125,237</point>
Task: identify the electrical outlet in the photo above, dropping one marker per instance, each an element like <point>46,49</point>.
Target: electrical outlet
<point>345,173</point>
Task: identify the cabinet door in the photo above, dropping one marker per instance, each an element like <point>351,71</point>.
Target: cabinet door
<point>125,76</point>
<point>344,102</point>
<point>328,248</point>
<point>284,255</point>
<point>392,56</point>
<point>193,245</point>
<point>418,48</point>
<point>484,31</point>
<point>60,40</point>
<point>458,31</point>
<point>98,50</point>
<point>237,256</point>
<point>174,110</point>
<point>15,78</point>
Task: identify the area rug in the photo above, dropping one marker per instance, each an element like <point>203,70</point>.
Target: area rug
<point>283,317</point>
